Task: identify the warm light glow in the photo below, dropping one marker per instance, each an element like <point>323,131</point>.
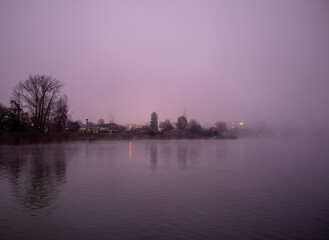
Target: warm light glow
<point>130,127</point>
<point>241,123</point>
<point>130,150</point>
<point>32,125</point>
<point>160,129</point>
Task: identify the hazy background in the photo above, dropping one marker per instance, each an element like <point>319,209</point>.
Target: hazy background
<point>218,60</point>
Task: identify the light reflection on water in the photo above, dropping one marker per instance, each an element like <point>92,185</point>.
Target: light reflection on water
<point>181,189</point>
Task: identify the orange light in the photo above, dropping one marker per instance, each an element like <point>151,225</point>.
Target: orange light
<point>130,150</point>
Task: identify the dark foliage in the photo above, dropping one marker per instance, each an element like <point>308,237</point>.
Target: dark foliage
<point>154,122</point>
<point>182,123</point>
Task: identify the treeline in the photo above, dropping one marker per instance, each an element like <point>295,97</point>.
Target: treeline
<point>38,112</point>
<point>183,127</point>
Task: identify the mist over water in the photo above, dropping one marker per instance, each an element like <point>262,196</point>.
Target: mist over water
<point>217,60</point>
<point>202,189</point>
<point>262,67</point>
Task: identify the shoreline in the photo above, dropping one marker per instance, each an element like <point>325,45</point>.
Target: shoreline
<point>22,138</point>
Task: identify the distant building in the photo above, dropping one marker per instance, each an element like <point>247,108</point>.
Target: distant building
<point>110,128</point>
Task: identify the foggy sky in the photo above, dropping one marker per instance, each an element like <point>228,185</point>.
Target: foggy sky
<point>217,60</point>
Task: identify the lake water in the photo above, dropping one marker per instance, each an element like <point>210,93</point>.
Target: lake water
<point>166,189</point>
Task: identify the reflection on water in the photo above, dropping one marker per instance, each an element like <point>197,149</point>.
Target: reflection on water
<point>34,173</point>
<point>168,189</point>
<point>182,153</point>
<point>130,152</point>
<point>154,155</point>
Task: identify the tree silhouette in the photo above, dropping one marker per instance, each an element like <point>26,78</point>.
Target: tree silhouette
<point>38,94</point>
<point>195,126</point>
<point>154,122</point>
<point>221,128</point>
<point>73,126</point>
<point>182,123</point>
<point>166,125</point>
<point>60,114</point>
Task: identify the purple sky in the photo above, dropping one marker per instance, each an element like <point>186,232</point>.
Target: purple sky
<point>218,60</point>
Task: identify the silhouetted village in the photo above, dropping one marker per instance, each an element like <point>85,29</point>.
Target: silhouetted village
<point>38,113</point>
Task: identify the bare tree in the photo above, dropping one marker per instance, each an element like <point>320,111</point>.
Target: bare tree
<point>4,115</point>
<point>38,95</point>
<point>60,115</point>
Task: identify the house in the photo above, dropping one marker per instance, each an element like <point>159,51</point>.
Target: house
<point>109,128</point>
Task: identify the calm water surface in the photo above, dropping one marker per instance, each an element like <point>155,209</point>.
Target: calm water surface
<point>175,189</point>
